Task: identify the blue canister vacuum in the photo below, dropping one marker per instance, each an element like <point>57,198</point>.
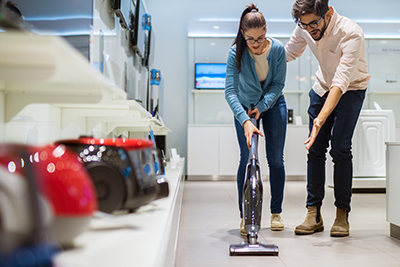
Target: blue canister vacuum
<point>252,207</point>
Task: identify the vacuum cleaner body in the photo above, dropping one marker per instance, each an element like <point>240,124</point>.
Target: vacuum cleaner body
<point>252,207</point>
<point>252,194</point>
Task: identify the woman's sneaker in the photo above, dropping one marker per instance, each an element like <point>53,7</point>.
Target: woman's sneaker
<point>276,222</point>
<point>242,230</point>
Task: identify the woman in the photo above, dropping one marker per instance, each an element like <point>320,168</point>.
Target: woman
<point>255,75</point>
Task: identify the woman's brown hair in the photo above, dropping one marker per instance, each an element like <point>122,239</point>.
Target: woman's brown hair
<point>251,18</point>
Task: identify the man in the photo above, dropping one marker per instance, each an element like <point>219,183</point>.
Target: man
<point>335,103</point>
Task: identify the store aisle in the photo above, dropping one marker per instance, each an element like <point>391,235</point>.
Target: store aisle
<point>210,223</point>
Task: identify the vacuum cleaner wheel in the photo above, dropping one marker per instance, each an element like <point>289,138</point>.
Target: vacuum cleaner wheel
<point>110,186</point>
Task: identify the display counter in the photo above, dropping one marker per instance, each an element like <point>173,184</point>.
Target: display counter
<point>147,237</point>
<point>215,146</point>
<point>393,187</point>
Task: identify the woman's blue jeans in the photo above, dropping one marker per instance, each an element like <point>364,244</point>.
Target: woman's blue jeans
<point>274,122</point>
<point>338,129</point>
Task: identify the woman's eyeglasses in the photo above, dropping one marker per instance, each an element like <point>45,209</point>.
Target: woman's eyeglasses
<point>312,25</point>
<point>259,40</point>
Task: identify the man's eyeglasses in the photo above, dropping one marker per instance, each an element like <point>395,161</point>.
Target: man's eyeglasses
<point>312,25</point>
<point>252,41</point>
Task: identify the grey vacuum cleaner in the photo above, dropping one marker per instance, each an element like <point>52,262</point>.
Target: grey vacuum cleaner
<point>252,207</point>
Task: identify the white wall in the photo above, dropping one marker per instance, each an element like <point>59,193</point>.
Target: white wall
<point>170,19</point>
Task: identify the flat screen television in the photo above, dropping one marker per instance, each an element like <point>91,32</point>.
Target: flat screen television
<point>149,49</point>
<point>210,75</point>
<point>138,33</point>
<point>122,8</point>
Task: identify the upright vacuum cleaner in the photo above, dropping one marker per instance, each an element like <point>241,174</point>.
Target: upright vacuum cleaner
<point>252,207</point>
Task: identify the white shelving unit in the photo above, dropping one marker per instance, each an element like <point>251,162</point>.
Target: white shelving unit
<point>118,115</point>
<point>213,152</point>
<point>384,93</point>
<point>46,69</point>
<point>393,187</point>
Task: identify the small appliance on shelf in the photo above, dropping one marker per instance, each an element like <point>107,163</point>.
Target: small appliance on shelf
<point>46,198</point>
<point>123,171</point>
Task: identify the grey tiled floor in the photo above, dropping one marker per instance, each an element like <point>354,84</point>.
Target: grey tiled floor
<point>210,223</point>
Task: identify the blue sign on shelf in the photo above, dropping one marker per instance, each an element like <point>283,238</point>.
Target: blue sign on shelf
<point>155,77</point>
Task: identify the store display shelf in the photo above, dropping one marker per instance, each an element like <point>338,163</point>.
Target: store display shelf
<point>118,115</point>
<point>384,93</point>
<point>209,91</point>
<point>46,69</point>
<point>222,91</point>
<point>293,92</point>
<point>155,125</point>
<point>369,182</point>
<point>142,123</point>
<point>393,187</point>
<point>146,237</point>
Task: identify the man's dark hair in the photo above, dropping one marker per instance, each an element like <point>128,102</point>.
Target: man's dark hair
<point>303,7</point>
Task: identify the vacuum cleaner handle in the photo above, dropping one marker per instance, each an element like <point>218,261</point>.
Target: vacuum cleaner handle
<point>254,139</point>
<point>252,190</point>
<point>253,116</point>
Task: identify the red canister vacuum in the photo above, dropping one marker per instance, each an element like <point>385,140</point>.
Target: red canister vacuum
<point>66,195</point>
<point>46,198</point>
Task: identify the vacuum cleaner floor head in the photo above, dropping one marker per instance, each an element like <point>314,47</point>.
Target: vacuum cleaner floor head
<point>259,249</point>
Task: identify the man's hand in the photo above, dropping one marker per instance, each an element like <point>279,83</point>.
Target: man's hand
<point>331,102</point>
<point>317,124</point>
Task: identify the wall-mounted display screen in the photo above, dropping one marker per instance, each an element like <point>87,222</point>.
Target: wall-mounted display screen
<point>210,75</point>
<point>139,33</point>
<point>149,48</point>
<point>122,9</point>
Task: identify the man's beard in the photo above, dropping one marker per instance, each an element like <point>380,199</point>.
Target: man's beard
<point>322,31</point>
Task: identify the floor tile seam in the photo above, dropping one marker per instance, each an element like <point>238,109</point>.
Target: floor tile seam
<point>384,251</point>
<point>191,196</point>
<point>365,205</point>
<point>296,203</point>
<point>227,192</point>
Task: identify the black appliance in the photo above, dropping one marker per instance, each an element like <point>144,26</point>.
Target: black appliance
<point>122,170</point>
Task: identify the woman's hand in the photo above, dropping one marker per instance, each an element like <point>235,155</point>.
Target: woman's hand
<point>249,130</point>
<point>254,111</point>
<point>249,127</point>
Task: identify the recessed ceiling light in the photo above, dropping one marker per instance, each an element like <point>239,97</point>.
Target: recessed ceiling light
<point>216,27</point>
<point>212,44</point>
